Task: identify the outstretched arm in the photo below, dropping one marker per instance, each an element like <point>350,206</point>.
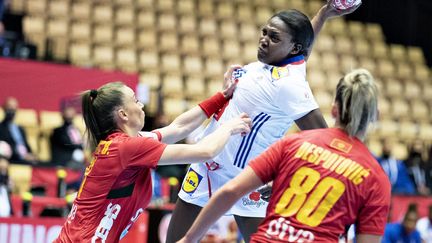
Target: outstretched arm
<point>209,146</point>
<point>327,11</point>
<point>183,125</point>
<point>222,200</point>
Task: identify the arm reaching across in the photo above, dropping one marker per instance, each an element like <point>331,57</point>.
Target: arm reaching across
<point>209,146</point>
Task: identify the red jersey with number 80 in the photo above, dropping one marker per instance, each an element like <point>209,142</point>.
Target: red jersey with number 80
<point>116,189</point>
<point>324,181</point>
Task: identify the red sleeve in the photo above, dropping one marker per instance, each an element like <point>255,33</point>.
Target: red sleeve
<point>141,151</point>
<point>373,215</point>
<point>266,164</point>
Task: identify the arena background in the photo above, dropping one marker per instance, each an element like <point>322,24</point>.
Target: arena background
<point>174,53</point>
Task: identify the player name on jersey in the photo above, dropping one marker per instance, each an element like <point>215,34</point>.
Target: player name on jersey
<point>341,165</point>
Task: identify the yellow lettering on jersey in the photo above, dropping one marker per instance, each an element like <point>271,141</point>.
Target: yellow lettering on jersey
<point>332,161</point>
<point>351,168</point>
<point>308,151</point>
<point>337,163</point>
<point>355,173</point>
<point>102,148</point>
<point>361,176</point>
<point>315,155</point>
<point>343,166</point>
<point>87,171</point>
<point>323,156</point>
<point>302,150</point>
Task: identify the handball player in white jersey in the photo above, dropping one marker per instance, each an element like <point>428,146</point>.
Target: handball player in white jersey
<point>274,92</point>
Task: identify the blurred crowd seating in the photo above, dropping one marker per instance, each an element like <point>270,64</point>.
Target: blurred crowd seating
<point>181,49</point>
<point>39,126</point>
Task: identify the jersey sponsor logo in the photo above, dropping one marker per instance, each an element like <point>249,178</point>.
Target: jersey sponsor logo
<point>106,222</point>
<point>253,199</point>
<point>192,181</point>
<point>133,219</point>
<point>341,145</point>
<point>247,141</point>
<point>337,163</point>
<point>284,231</point>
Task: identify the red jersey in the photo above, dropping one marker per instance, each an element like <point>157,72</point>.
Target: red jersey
<point>323,181</point>
<point>116,189</point>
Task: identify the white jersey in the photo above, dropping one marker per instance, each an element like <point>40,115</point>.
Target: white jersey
<point>274,97</point>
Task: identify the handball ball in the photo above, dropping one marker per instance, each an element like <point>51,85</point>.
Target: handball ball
<point>5,150</point>
<point>345,4</point>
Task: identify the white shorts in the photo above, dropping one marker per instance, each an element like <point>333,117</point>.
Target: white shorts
<point>195,190</point>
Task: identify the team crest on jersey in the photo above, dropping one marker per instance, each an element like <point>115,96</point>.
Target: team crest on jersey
<point>341,145</point>
<point>279,72</point>
<point>191,182</point>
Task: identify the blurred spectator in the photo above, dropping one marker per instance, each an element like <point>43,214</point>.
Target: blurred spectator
<point>67,143</point>
<point>15,135</point>
<point>5,183</point>
<point>416,167</point>
<point>404,232</point>
<point>424,226</point>
<point>396,171</point>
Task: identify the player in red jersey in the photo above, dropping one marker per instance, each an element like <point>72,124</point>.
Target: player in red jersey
<point>324,179</point>
<point>117,184</point>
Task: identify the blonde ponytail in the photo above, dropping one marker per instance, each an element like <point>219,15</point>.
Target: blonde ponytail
<point>357,97</point>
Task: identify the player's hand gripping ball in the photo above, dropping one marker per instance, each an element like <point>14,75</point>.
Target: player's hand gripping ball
<point>345,4</point>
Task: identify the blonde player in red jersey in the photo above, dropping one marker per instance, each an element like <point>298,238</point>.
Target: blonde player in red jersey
<point>117,184</point>
<point>324,179</point>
